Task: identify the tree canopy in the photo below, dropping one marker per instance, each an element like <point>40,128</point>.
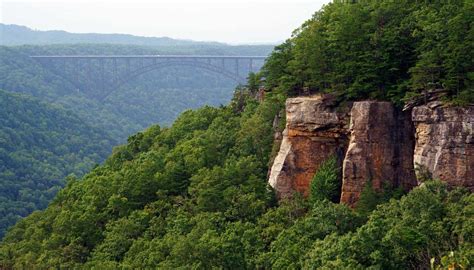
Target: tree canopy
<point>40,145</point>
<point>386,50</point>
<point>194,195</point>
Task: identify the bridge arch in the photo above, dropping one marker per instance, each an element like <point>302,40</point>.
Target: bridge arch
<point>234,67</point>
<point>165,64</point>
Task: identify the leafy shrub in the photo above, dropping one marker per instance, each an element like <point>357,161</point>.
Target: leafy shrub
<point>326,183</point>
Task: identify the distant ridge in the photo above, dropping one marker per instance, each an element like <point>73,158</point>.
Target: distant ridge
<point>12,34</point>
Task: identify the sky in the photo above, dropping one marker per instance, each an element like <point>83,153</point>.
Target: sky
<point>230,21</point>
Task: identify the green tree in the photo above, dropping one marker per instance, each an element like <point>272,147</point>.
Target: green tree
<point>326,182</point>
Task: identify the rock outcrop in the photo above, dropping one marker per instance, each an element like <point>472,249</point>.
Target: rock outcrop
<point>445,143</point>
<point>314,131</point>
<point>374,141</point>
<point>380,150</point>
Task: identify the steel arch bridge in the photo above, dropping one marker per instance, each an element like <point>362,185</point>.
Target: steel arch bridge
<point>100,75</point>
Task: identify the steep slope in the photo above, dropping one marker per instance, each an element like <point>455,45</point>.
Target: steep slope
<point>40,145</point>
<point>154,97</point>
<point>21,74</point>
<point>213,158</point>
<point>194,196</point>
<point>380,50</point>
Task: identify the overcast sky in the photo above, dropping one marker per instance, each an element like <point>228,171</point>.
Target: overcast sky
<point>231,21</point>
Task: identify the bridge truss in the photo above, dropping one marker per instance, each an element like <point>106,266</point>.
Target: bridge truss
<point>100,75</point>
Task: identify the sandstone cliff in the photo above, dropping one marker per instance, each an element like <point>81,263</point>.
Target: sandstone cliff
<point>380,150</point>
<point>375,142</point>
<point>314,131</point>
<point>445,143</point>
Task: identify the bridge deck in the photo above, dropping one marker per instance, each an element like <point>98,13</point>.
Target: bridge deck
<point>152,56</point>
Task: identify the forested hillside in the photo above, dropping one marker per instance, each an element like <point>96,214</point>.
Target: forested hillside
<point>380,50</point>
<point>154,97</point>
<point>39,146</point>
<point>195,195</point>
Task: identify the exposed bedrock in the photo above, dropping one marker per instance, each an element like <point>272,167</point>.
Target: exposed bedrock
<point>314,131</point>
<point>375,143</point>
<point>445,143</point>
<point>380,150</point>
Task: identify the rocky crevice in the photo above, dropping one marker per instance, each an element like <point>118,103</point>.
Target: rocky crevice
<point>380,150</point>
<point>314,131</point>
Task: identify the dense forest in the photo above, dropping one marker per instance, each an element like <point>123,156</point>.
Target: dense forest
<point>194,195</point>
<point>39,146</point>
<point>380,50</point>
<point>156,97</point>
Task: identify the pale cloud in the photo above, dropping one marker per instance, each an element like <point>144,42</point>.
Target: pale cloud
<point>229,21</point>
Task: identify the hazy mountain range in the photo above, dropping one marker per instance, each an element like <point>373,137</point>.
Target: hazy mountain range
<point>11,34</point>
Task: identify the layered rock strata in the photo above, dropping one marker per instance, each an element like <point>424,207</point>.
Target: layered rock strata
<point>376,143</point>
<point>445,143</point>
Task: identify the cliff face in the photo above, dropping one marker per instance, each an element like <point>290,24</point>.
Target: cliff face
<point>314,131</point>
<point>380,150</point>
<point>375,142</point>
<point>445,143</point>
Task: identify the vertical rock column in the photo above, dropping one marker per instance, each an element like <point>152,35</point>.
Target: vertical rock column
<point>314,131</point>
<point>380,150</point>
<point>445,143</point>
